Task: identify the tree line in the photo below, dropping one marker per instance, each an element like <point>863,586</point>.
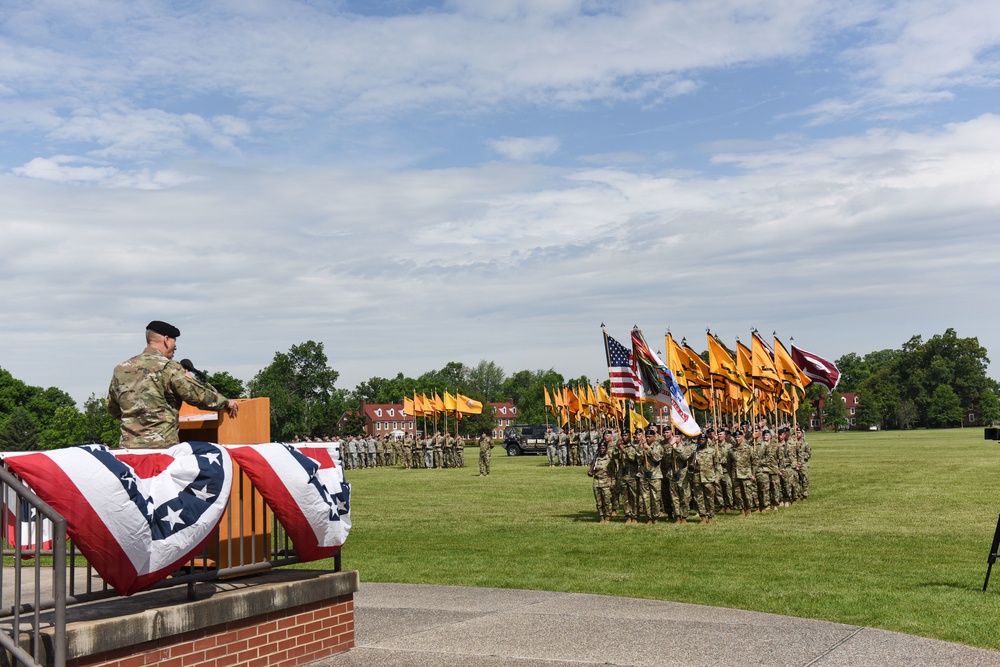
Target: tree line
<point>931,383</point>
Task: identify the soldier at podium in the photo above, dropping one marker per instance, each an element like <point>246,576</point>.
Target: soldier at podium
<point>146,392</point>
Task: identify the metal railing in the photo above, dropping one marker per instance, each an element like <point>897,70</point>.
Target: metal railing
<point>34,578</point>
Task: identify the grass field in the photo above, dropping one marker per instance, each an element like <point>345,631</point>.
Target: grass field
<point>895,535</point>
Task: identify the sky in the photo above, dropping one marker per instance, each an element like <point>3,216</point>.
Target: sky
<point>412,183</point>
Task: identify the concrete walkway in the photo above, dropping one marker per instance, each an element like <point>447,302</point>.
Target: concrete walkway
<point>432,626</point>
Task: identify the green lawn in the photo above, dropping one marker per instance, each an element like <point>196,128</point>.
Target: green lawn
<point>895,535</point>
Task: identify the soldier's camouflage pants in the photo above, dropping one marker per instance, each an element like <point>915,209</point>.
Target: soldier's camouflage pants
<point>562,456</point>
<point>633,498</point>
<point>744,494</point>
<point>653,494</point>
<point>553,456</point>
<point>680,495</point>
<point>804,480</point>
<point>460,456</point>
<point>724,491</point>
<point>704,496</point>
<point>484,462</point>
<point>790,484</point>
<point>407,459</point>
<point>602,496</point>
<point>619,496</point>
<point>574,455</point>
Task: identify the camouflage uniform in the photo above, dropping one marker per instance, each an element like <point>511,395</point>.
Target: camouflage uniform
<point>407,452</point>
<point>460,452</point>
<point>789,469</point>
<point>146,393</point>
<point>585,456</point>
<point>680,480</point>
<point>574,447</point>
<point>428,447</point>
<point>805,453</point>
<point>602,469</point>
<point>551,440</point>
<point>448,452</point>
<point>563,446</point>
<point>744,493</point>
<point>631,478</point>
<point>652,480</point>
<point>724,484</point>
<point>704,483</point>
<point>438,451</point>
<point>485,454</point>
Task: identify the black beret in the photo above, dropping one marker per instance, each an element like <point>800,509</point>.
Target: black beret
<point>164,329</point>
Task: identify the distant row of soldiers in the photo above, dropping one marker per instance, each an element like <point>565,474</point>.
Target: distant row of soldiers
<point>570,447</point>
<point>742,469</point>
<point>436,451</point>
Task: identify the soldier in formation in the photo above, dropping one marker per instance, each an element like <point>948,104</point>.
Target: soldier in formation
<point>485,454</point>
<point>722,470</point>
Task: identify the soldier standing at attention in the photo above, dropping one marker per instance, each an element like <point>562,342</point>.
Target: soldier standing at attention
<point>550,447</point>
<point>485,454</point>
<point>563,447</point>
<point>146,392</point>
<point>602,470</point>
<point>805,453</point>
<point>652,478</point>
<point>459,451</point>
<point>438,450</point>
<point>574,447</point>
<point>704,480</point>
<point>407,451</point>
<point>744,491</point>
<point>630,477</point>
<point>680,480</point>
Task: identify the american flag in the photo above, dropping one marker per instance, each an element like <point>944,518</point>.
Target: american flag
<point>624,381</point>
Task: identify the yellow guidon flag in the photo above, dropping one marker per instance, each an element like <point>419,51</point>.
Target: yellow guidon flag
<point>449,403</point>
<point>466,405</point>
<point>637,420</point>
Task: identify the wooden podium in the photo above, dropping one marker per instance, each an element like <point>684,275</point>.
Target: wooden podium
<point>245,529</point>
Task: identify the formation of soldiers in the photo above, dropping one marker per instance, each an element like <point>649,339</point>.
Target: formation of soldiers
<point>744,469</point>
<point>436,451</point>
<point>571,447</point>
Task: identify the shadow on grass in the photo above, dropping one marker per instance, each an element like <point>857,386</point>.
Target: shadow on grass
<point>955,585</point>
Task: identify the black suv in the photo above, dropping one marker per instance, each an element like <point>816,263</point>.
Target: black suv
<point>525,439</point>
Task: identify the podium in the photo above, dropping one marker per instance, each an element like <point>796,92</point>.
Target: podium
<point>245,529</point>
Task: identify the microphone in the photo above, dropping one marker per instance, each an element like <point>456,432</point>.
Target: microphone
<point>188,366</point>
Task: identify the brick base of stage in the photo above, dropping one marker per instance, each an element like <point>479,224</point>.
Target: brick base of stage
<point>281,619</point>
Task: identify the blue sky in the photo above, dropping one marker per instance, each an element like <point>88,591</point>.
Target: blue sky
<point>416,183</point>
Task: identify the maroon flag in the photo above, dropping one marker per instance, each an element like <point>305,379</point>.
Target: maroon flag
<point>816,368</point>
<point>621,371</point>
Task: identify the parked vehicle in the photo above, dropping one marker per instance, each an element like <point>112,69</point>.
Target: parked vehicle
<point>525,439</point>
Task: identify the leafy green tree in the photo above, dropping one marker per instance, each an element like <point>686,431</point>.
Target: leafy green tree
<point>383,390</point>
<point>486,380</point>
<point>835,411</point>
<point>524,389</point>
<point>300,385</point>
<point>65,429</point>
<point>906,414</point>
<point>227,385</point>
<point>99,426</point>
<point>945,407</point>
<point>988,407</point>
<point>19,432</point>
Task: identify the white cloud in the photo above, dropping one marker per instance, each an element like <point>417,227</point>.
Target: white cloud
<point>74,169</point>
<point>522,149</point>
<point>454,262</point>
